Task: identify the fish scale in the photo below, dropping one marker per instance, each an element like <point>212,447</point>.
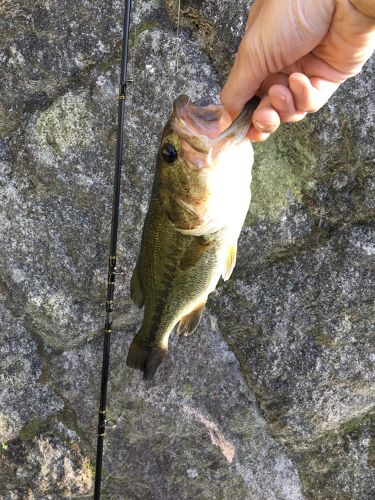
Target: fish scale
<point>172,288</point>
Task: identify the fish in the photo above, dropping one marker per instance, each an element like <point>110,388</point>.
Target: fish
<point>199,200</point>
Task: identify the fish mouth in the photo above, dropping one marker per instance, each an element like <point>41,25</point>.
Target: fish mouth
<point>197,128</point>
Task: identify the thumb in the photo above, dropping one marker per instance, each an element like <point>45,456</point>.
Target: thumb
<point>242,82</point>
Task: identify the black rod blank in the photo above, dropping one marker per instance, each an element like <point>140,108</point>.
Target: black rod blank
<point>113,250</point>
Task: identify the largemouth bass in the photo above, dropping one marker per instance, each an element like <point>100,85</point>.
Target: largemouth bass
<point>200,197</point>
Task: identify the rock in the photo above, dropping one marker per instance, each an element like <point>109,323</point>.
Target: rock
<point>50,465</point>
<point>202,418</point>
<point>48,47</point>
<point>24,396</point>
<point>34,460</point>
<point>273,396</point>
<point>208,22</point>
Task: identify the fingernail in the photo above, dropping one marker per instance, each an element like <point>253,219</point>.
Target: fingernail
<point>261,127</point>
<point>282,97</point>
<point>295,85</point>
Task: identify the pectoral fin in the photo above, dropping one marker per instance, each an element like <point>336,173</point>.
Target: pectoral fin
<point>230,261</point>
<point>189,221</point>
<point>190,322</point>
<point>136,292</point>
<point>195,251</point>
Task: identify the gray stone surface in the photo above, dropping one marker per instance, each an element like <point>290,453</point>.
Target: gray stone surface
<point>25,396</point>
<point>273,397</point>
<point>191,436</point>
<point>46,464</point>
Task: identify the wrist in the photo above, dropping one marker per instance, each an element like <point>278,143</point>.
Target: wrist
<point>366,7</point>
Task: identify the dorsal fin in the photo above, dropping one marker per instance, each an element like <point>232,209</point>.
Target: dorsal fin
<point>136,292</point>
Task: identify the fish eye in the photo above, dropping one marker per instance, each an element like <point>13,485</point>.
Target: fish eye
<point>169,153</point>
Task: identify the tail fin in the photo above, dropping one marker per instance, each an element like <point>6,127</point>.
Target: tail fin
<point>145,358</point>
<point>154,360</point>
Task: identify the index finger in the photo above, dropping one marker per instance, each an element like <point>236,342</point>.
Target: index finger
<point>241,84</point>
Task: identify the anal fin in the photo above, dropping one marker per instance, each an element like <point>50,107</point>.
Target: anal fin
<point>190,322</point>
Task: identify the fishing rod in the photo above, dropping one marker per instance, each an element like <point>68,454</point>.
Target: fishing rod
<point>112,270</point>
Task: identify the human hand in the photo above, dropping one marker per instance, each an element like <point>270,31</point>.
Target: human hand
<point>295,54</point>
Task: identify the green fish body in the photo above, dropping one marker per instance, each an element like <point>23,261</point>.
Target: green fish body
<point>199,200</point>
